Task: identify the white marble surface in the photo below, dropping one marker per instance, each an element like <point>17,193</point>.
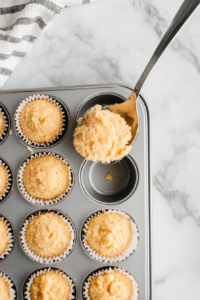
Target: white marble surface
<point>111,41</point>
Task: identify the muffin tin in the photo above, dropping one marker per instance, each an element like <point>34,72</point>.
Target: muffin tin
<point>129,190</point>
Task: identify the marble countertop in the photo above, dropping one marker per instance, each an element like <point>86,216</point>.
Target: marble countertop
<point>111,41</point>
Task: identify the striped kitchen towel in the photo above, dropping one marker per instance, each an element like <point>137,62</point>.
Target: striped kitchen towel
<point>21,23</point>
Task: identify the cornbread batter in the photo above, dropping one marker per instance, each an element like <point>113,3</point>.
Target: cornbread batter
<point>102,136</point>
<point>4,289</point>
<point>109,234</point>
<point>41,121</point>
<point>3,236</point>
<point>111,286</point>
<point>3,179</point>
<point>50,285</point>
<point>46,177</point>
<point>48,235</point>
<point>2,123</point>
<point>29,149</point>
<point>109,177</point>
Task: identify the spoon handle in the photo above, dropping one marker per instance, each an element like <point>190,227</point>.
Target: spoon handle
<point>181,17</point>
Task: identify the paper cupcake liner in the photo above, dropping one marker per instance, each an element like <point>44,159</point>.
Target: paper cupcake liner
<point>108,269</point>
<point>29,280</point>
<point>12,286</point>
<point>7,124</point>
<point>11,238</point>
<point>38,258</point>
<point>64,128</point>
<point>36,201</point>
<point>10,180</point>
<point>102,258</point>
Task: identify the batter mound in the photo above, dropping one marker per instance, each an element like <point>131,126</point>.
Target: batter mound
<point>102,136</point>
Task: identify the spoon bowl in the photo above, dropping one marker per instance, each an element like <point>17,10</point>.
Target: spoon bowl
<point>128,111</point>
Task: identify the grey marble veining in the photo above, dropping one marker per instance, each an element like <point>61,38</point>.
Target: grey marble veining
<point>111,41</point>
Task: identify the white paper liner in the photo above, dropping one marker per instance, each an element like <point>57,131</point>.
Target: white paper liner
<point>10,238</point>
<point>115,259</point>
<point>37,273</point>
<point>18,128</point>
<point>39,201</point>
<point>36,257</point>
<point>109,270</point>
<point>12,288</point>
<point>4,133</point>
<point>9,180</point>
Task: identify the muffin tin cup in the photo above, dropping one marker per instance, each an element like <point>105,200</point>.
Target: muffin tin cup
<point>12,286</point>
<point>64,129</point>
<point>108,269</point>
<point>104,99</point>
<point>92,178</point>
<point>102,258</point>
<point>38,258</point>
<point>11,238</point>
<point>39,202</point>
<point>10,182</point>
<point>7,119</point>
<point>29,279</point>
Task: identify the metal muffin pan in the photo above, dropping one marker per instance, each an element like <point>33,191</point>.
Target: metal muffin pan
<point>78,204</point>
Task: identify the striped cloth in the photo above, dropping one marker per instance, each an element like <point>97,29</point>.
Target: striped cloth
<point>21,23</point>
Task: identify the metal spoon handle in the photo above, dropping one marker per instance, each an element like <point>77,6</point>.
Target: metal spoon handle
<point>182,15</point>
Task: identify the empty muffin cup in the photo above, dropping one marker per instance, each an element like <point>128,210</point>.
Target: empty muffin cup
<point>132,284</point>
<point>7,239</point>
<point>37,274</point>
<point>109,184</point>
<point>5,123</point>
<point>7,175</point>
<point>44,181</point>
<point>37,121</point>
<point>32,247</point>
<point>9,285</point>
<point>102,99</point>
<point>123,227</point>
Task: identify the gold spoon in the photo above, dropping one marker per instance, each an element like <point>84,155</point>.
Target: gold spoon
<point>128,109</point>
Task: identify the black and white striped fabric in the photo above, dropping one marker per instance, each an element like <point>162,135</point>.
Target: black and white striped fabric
<point>21,23</point>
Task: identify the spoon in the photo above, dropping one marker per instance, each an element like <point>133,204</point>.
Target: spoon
<point>128,109</point>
